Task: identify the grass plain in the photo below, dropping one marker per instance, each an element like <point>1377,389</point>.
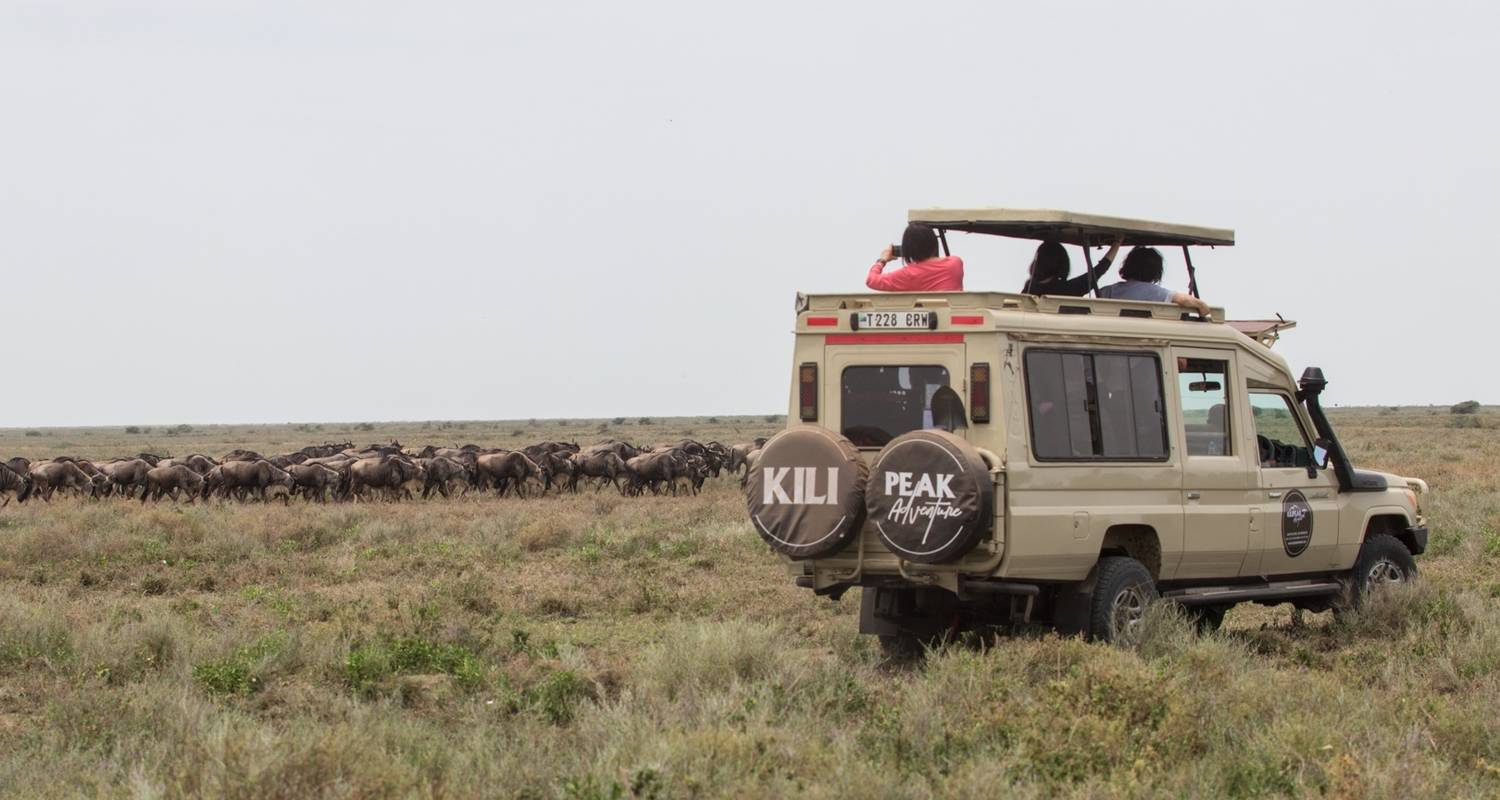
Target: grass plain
<point>592,646</point>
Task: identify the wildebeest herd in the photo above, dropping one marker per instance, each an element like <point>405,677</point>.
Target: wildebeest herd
<point>342,472</point>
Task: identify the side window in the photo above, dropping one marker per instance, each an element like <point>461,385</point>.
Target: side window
<point>1278,434</point>
<point>1203,385</point>
<point>1095,406</point>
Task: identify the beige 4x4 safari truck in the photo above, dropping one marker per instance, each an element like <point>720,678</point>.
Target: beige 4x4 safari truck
<point>983,459</point>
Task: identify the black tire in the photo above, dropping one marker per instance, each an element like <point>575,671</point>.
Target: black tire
<point>1383,561</point>
<point>1123,590</point>
<point>1208,618</point>
<point>902,647</point>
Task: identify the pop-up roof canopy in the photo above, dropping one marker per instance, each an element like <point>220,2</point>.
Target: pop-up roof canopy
<point>1067,227</point>
<point>1084,230</point>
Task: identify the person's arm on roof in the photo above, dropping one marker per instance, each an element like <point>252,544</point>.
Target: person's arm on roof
<point>1191,303</point>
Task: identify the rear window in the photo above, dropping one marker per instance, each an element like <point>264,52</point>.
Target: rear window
<point>1095,406</point>
<point>881,403</point>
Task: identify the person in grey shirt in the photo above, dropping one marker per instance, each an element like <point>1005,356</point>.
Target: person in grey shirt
<point>1141,274</point>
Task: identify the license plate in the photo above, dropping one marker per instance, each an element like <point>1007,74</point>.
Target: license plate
<point>894,320</point>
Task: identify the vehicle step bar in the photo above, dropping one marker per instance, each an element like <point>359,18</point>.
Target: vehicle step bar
<point>1214,595</point>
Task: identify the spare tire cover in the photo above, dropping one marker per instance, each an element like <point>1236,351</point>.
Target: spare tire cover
<point>930,496</point>
<point>806,492</point>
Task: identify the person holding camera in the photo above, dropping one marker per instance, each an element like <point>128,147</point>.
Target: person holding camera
<point>922,271</point>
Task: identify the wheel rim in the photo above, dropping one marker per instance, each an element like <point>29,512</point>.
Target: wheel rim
<point>1384,572</point>
<point>1126,613</point>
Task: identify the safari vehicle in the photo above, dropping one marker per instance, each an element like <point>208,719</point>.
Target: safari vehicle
<point>983,459</point>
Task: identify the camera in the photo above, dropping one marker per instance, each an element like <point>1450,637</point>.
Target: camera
<point>895,251</point>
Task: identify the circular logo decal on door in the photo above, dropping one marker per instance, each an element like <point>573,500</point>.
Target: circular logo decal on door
<point>1296,523</point>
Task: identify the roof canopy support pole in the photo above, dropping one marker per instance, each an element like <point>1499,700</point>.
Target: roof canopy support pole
<point>1088,263</point>
<point>943,239</point>
<point>1192,273</point>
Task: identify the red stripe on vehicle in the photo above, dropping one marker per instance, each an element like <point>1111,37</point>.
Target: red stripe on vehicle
<point>822,322</point>
<point>894,338</point>
<point>957,320</point>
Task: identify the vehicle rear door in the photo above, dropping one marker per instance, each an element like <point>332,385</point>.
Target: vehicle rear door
<point>881,384</point>
<point>1217,479</point>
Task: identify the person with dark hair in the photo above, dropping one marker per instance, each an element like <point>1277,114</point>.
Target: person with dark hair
<point>1050,268</point>
<point>923,270</point>
<point>1141,280</point>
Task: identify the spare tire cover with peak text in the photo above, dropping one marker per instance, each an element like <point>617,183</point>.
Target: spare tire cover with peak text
<point>930,496</point>
<point>807,492</point>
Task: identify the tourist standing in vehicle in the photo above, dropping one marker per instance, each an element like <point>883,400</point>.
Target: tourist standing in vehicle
<point>924,270</point>
<point>1142,281</point>
<point>1050,267</point>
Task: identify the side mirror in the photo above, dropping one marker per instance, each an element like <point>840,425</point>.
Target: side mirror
<point>1320,455</point>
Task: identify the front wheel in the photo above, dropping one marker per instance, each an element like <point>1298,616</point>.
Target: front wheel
<point>1123,591</point>
<point>1383,562</point>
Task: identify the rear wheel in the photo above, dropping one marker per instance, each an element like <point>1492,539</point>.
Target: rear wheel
<point>1123,590</point>
<point>1383,562</point>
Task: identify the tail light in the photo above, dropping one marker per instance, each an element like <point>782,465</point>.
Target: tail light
<point>979,392</point>
<point>807,391</point>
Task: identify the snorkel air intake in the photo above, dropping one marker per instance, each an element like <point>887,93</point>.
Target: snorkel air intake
<point>1310,385</point>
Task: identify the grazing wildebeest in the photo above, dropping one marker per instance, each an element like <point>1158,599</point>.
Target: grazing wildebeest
<point>49,476</point>
<point>507,470</point>
<point>13,485</point>
<point>314,480</point>
<point>196,462</point>
<point>241,455</point>
<point>172,479</point>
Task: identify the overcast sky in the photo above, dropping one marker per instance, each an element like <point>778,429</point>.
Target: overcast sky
<point>290,211</point>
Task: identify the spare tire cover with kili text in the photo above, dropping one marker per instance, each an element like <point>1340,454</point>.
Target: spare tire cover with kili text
<point>806,492</point>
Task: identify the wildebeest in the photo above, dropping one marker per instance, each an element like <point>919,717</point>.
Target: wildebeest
<point>444,474</point>
<point>239,478</point>
<point>314,480</point>
<point>196,462</point>
<point>393,473</point>
<point>172,479</point>
<point>13,485</point>
<point>605,466</point>
<point>49,476</point>
<point>507,469</point>
<point>127,475</point>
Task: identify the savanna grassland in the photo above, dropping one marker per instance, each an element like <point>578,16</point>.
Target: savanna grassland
<point>594,646</point>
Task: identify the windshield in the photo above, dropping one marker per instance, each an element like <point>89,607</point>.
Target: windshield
<point>881,403</point>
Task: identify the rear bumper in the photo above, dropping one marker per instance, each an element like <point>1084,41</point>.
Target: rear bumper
<point>1415,539</point>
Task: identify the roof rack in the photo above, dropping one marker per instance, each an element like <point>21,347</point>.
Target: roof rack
<point>1069,227</point>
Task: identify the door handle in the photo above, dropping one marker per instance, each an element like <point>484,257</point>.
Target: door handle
<point>1193,495</point>
<point>1273,495</point>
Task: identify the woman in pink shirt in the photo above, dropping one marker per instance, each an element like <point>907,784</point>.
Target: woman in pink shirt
<point>924,271</point>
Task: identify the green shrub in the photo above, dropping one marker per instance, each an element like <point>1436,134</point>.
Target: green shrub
<point>558,694</point>
<point>242,673</point>
<point>231,677</point>
<point>1466,407</point>
<point>368,666</point>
